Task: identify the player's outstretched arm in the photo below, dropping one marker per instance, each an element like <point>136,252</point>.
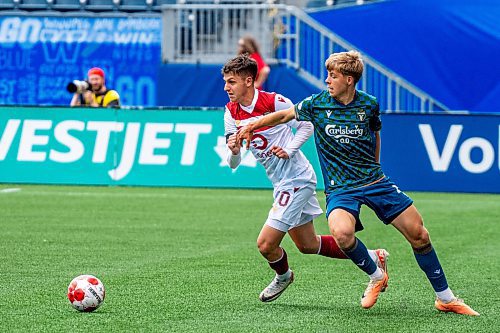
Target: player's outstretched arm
<point>275,118</point>
<point>233,156</point>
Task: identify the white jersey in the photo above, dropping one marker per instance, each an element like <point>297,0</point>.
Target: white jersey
<point>283,173</point>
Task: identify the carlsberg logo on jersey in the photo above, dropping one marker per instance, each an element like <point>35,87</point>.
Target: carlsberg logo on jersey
<point>344,133</point>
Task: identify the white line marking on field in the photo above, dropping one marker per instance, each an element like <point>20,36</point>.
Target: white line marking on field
<point>170,194</point>
<point>10,190</point>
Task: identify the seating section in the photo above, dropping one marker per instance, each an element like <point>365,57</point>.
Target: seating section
<point>82,5</point>
<point>34,5</point>
<point>134,5</point>
<point>7,5</point>
<point>107,5</point>
<point>101,5</point>
<point>67,5</point>
<point>328,3</point>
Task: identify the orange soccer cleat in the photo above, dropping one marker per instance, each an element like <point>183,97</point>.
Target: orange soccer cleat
<point>456,306</point>
<point>373,290</point>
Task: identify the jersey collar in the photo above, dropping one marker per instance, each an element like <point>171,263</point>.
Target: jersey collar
<point>250,108</point>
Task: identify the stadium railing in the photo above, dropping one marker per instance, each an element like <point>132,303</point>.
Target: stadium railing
<point>208,33</point>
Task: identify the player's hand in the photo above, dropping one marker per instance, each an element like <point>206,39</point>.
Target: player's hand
<point>279,152</point>
<point>233,145</point>
<point>244,133</point>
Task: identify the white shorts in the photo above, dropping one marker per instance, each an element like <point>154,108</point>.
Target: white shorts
<point>293,208</point>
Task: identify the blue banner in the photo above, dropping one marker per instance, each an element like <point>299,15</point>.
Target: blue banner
<point>452,153</point>
<point>39,56</point>
<point>447,153</point>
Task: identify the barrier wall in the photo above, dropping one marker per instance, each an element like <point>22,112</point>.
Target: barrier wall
<point>458,153</point>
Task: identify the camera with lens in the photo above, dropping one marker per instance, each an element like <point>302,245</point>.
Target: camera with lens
<point>78,86</point>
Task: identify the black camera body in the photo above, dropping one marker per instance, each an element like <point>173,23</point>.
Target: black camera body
<point>78,86</point>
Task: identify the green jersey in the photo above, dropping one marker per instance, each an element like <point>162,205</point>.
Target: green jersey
<point>345,138</point>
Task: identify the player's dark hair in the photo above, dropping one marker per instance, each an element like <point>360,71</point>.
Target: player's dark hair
<point>241,65</point>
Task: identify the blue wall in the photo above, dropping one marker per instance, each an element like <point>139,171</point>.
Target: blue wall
<point>202,85</point>
<point>448,48</point>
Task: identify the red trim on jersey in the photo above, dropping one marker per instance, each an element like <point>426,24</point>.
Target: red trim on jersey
<point>264,105</point>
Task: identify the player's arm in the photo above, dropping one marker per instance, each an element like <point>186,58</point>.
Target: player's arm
<point>234,154</point>
<point>233,157</point>
<point>272,119</point>
<point>304,131</point>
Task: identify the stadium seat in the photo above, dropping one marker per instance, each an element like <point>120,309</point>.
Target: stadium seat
<point>164,2</point>
<point>67,5</point>
<point>316,3</point>
<point>7,5</point>
<point>34,5</point>
<point>135,5</point>
<point>101,5</point>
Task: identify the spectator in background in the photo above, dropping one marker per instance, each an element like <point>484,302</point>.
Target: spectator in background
<point>249,45</point>
<point>97,95</point>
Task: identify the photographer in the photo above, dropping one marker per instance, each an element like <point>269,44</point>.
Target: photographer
<point>93,92</point>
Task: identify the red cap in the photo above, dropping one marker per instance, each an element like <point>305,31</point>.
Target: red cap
<point>96,71</point>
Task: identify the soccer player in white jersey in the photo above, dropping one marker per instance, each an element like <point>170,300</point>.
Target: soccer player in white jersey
<point>294,181</point>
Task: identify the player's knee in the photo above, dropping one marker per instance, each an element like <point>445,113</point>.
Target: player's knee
<point>265,247</point>
<point>307,248</point>
<point>420,237</point>
<point>344,238</point>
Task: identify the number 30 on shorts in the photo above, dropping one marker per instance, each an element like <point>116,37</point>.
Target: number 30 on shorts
<point>281,203</point>
<point>283,198</point>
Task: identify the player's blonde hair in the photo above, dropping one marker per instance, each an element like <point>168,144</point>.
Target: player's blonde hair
<point>347,63</point>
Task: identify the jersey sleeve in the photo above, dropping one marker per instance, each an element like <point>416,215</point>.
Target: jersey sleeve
<point>303,110</point>
<point>229,124</point>
<point>281,102</point>
<point>304,131</point>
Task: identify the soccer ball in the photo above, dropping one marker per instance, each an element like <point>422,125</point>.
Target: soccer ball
<point>86,293</point>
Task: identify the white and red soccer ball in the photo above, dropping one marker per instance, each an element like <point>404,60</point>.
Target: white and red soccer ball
<point>86,293</point>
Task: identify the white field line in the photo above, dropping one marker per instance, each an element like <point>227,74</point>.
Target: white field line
<point>10,190</point>
<point>173,194</point>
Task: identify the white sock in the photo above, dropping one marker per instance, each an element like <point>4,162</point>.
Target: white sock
<point>285,276</point>
<point>446,295</point>
<point>373,255</point>
<point>377,275</point>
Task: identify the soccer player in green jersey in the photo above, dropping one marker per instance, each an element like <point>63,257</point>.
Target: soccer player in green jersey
<point>346,132</point>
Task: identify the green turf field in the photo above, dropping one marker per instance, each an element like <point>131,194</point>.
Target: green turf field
<point>185,260</point>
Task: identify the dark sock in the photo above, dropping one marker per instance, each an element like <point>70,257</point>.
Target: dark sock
<point>359,255</point>
<point>280,266</point>
<point>428,261</point>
